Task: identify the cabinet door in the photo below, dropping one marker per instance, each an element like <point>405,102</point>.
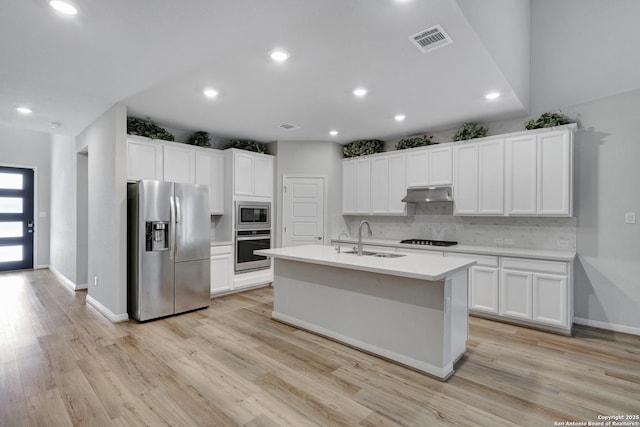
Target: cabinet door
<point>521,175</point>
<point>348,186</point>
<point>263,176</point>
<point>515,294</point>
<point>179,164</point>
<point>243,174</point>
<point>210,172</point>
<point>380,185</point>
<point>440,165</point>
<point>144,160</point>
<point>221,269</point>
<point>363,186</point>
<point>491,177</point>
<point>416,174</point>
<point>554,174</point>
<point>550,299</point>
<point>465,184</point>
<point>483,289</point>
<point>397,184</point>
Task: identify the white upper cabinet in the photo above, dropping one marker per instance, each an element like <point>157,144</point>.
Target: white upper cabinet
<point>252,174</point>
<point>478,180</point>
<point>429,166</point>
<point>439,166</point>
<point>210,172</point>
<point>521,175</point>
<point>465,180</point>
<point>363,186</point>
<point>348,187</point>
<point>179,163</point>
<point>144,159</point>
<point>539,174</point>
<point>388,184</point>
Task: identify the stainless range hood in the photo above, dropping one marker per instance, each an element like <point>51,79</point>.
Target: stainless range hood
<point>429,194</point>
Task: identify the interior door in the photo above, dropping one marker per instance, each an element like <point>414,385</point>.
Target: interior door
<point>303,211</point>
<point>16,218</point>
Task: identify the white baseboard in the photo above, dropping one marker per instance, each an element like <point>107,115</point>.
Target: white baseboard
<point>114,318</point>
<point>65,280</point>
<point>606,325</point>
<point>41,267</point>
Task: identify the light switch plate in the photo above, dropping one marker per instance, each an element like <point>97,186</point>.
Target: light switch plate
<point>630,218</point>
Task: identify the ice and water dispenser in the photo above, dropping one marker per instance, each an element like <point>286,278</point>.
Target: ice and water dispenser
<point>157,236</point>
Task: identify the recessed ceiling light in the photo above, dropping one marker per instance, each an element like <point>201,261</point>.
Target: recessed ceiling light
<point>360,91</point>
<point>24,110</point>
<point>64,7</point>
<point>55,125</point>
<point>492,95</point>
<point>333,133</point>
<point>210,92</point>
<point>279,55</point>
<point>399,117</point>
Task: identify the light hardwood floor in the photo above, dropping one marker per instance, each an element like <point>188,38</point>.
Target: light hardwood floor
<point>62,363</point>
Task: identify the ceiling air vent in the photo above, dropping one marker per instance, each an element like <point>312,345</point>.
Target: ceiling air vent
<point>431,38</point>
<point>289,126</point>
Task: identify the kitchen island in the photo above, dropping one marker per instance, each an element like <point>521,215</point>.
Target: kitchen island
<point>410,309</point>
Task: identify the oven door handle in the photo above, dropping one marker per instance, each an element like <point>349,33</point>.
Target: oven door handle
<point>243,238</point>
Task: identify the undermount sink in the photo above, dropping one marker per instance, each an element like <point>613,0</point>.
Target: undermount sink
<point>376,254</point>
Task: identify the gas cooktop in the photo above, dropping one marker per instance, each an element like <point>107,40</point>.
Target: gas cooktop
<point>427,242</point>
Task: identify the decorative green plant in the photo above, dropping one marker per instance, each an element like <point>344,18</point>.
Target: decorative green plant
<point>147,128</point>
<point>200,139</point>
<point>548,120</point>
<point>415,141</point>
<point>363,147</point>
<point>246,144</point>
<point>470,131</point>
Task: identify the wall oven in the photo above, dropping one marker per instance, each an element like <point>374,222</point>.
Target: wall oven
<point>248,241</point>
<point>253,215</point>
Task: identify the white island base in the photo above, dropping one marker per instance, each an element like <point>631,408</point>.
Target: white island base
<point>422,324</point>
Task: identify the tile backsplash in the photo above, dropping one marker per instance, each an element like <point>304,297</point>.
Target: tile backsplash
<point>436,221</point>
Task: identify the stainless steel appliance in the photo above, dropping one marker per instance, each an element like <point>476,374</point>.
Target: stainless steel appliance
<point>168,248</point>
<point>427,242</point>
<point>253,215</point>
<point>248,241</point>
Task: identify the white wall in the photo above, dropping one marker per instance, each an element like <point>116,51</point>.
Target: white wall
<point>582,50</point>
<point>63,207</point>
<point>107,223</point>
<point>29,149</point>
<point>312,158</point>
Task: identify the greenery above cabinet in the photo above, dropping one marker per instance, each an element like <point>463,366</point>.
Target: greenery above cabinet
<point>148,129</point>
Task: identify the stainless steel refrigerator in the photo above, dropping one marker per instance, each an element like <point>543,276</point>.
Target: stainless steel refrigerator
<point>168,248</point>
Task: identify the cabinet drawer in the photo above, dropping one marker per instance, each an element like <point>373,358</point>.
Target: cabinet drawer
<point>221,250</point>
<point>535,265</point>
<point>483,260</point>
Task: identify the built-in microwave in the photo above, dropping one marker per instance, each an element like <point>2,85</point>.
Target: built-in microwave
<point>253,215</point>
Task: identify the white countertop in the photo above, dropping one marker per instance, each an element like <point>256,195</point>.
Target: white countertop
<point>415,266</point>
<point>551,255</point>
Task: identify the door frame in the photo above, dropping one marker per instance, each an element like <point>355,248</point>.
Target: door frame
<point>325,210</point>
<point>36,218</point>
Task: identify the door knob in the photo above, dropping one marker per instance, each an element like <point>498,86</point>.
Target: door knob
<point>319,238</point>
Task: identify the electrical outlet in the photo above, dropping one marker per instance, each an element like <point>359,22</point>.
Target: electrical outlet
<point>498,241</point>
<point>95,280</point>
<point>630,218</point>
<point>508,242</point>
<point>562,243</point>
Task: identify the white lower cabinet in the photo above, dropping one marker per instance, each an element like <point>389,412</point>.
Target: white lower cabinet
<point>537,291</point>
<point>483,289</point>
<point>221,269</point>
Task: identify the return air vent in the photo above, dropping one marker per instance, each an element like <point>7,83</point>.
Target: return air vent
<point>431,38</point>
<point>289,126</point>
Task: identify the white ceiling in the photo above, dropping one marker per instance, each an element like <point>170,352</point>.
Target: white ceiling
<point>157,56</point>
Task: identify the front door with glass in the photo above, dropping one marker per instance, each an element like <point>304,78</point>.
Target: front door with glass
<point>16,218</point>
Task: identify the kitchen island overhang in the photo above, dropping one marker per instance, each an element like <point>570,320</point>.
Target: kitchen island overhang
<point>411,310</point>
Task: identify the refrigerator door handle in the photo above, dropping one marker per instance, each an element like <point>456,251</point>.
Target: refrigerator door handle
<point>178,219</point>
<point>172,228</point>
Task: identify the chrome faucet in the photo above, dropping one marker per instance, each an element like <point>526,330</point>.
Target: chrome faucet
<point>360,235</point>
<point>338,243</point>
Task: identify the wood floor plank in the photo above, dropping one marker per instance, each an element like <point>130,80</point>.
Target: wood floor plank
<point>62,363</point>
